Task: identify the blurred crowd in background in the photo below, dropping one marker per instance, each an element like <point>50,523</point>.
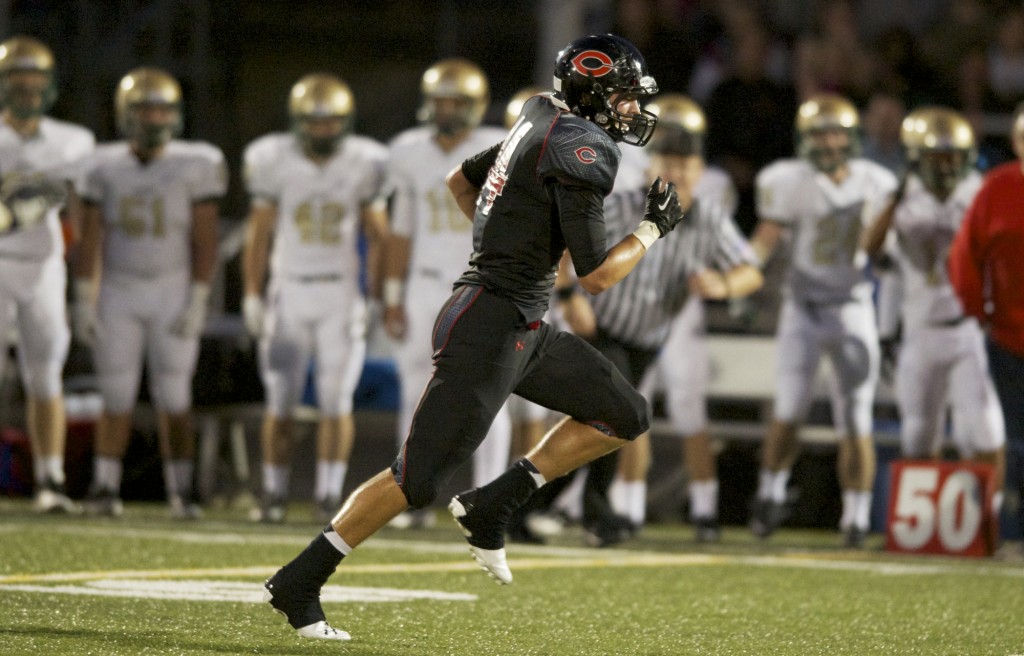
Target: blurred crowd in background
<point>750,62</point>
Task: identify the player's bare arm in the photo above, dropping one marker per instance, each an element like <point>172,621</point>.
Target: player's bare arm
<point>576,309</point>
<point>662,214</point>
<point>463,190</point>
<point>88,256</point>
<point>873,239</point>
<point>259,226</point>
<point>71,215</point>
<point>737,282</point>
<point>397,250</point>
<point>374,218</point>
<point>204,240</point>
<point>86,271</point>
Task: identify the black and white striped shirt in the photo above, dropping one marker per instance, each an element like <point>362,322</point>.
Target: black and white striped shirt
<point>640,308</point>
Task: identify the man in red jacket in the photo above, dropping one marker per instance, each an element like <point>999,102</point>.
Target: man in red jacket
<point>986,267</point>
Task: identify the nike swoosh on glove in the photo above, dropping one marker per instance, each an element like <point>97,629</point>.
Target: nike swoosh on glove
<point>662,207</point>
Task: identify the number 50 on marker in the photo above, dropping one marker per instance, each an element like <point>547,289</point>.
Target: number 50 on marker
<point>941,508</point>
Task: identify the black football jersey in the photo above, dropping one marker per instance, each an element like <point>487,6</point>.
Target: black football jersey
<point>518,233</point>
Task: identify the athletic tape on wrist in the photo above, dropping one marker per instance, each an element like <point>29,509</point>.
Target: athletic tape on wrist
<point>647,232</point>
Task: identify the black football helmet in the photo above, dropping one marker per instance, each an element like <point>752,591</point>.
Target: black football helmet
<point>591,70</point>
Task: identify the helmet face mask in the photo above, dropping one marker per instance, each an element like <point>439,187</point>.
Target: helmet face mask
<point>595,75</point>
<point>148,108</point>
<point>940,146</point>
<point>828,149</point>
<point>321,108</point>
<point>27,85</point>
<point>153,124</point>
<point>455,96</point>
<point>827,128</point>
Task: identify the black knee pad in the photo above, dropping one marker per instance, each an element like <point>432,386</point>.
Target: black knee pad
<point>419,491</point>
<point>627,419</point>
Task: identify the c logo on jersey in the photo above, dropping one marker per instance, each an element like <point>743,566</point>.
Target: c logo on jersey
<point>592,62</point>
<point>586,154</point>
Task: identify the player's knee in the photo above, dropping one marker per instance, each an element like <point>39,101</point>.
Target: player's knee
<point>333,399</point>
<point>173,392</point>
<point>420,492</point>
<point>43,379</point>
<point>628,419</point>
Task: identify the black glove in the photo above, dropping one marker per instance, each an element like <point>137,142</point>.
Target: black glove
<point>662,207</point>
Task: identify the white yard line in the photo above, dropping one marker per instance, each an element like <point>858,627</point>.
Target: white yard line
<point>618,559</point>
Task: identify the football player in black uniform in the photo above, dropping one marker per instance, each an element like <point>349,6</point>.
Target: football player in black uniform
<point>530,197</point>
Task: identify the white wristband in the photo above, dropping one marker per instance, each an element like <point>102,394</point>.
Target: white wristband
<point>393,288</point>
<point>647,232</point>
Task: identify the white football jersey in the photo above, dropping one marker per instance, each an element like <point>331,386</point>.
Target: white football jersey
<point>422,207</point>
<point>57,152</point>
<point>318,206</point>
<point>147,208</point>
<point>923,229</point>
<point>827,219</point>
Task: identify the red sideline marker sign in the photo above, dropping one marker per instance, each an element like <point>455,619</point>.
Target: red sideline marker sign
<point>941,508</point>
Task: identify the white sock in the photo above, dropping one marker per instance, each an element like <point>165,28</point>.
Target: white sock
<point>107,473</point>
<point>170,481</point>
<point>336,470</point>
<point>849,509</point>
<point>997,504</point>
<point>275,480</point>
<point>182,470</point>
<point>704,499</point>
<point>862,511</point>
<point>637,495</point>
<point>538,478</point>
<point>779,482</point>
<point>50,468</point>
<point>322,484</point>
<point>336,541</point>
<point>618,496</point>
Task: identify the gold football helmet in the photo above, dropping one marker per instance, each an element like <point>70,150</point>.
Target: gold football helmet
<point>464,86</point>
<point>515,105</point>
<point>822,115</point>
<point>321,107</point>
<point>940,146</point>
<point>681,125</point>
<point>24,96</point>
<point>147,106</point>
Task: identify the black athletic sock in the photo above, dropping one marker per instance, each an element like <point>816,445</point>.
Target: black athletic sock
<point>315,564</point>
<point>511,490</point>
<point>296,586</point>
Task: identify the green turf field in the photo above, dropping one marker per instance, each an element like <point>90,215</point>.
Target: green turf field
<point>145,585</point>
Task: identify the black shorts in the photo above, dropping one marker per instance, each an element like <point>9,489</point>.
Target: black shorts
<point>484,351</point>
